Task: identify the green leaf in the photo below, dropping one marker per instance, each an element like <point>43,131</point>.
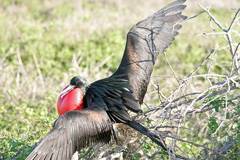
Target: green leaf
<point>212,125</point>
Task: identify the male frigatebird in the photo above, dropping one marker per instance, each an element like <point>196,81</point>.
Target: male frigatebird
<point>87,113</point>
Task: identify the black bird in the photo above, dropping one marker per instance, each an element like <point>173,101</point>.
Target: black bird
<point>108,100</point>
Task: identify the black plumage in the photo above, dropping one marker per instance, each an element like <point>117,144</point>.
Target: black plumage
<point>108,101</point>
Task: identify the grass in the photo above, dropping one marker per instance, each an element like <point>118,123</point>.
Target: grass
<point>43,44</point>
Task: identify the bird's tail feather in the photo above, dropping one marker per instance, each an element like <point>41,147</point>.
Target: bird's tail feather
<point>155,138</point>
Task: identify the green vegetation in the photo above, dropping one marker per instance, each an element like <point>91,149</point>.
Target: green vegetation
<point>44,43</point>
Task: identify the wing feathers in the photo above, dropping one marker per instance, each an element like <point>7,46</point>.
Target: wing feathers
<point>144,41</point>
<point>115,96</point>
<point>71,132</point>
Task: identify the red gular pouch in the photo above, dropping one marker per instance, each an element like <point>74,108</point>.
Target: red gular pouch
<point>71,98</point>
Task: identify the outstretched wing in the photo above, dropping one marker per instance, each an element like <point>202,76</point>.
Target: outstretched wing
<point>71,132</point>
<point>145,41</point>
<point>125,89</point>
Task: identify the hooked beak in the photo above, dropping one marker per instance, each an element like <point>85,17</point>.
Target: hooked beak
<point>66,90</point>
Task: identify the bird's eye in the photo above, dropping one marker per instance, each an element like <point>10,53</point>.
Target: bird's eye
<point>79,83</point>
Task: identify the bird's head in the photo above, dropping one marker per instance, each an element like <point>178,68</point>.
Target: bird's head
<point>79,82</point>
<point>71,97</point>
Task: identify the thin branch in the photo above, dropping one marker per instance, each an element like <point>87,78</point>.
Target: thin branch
<point>233,20</point>
<point>213,18</point>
